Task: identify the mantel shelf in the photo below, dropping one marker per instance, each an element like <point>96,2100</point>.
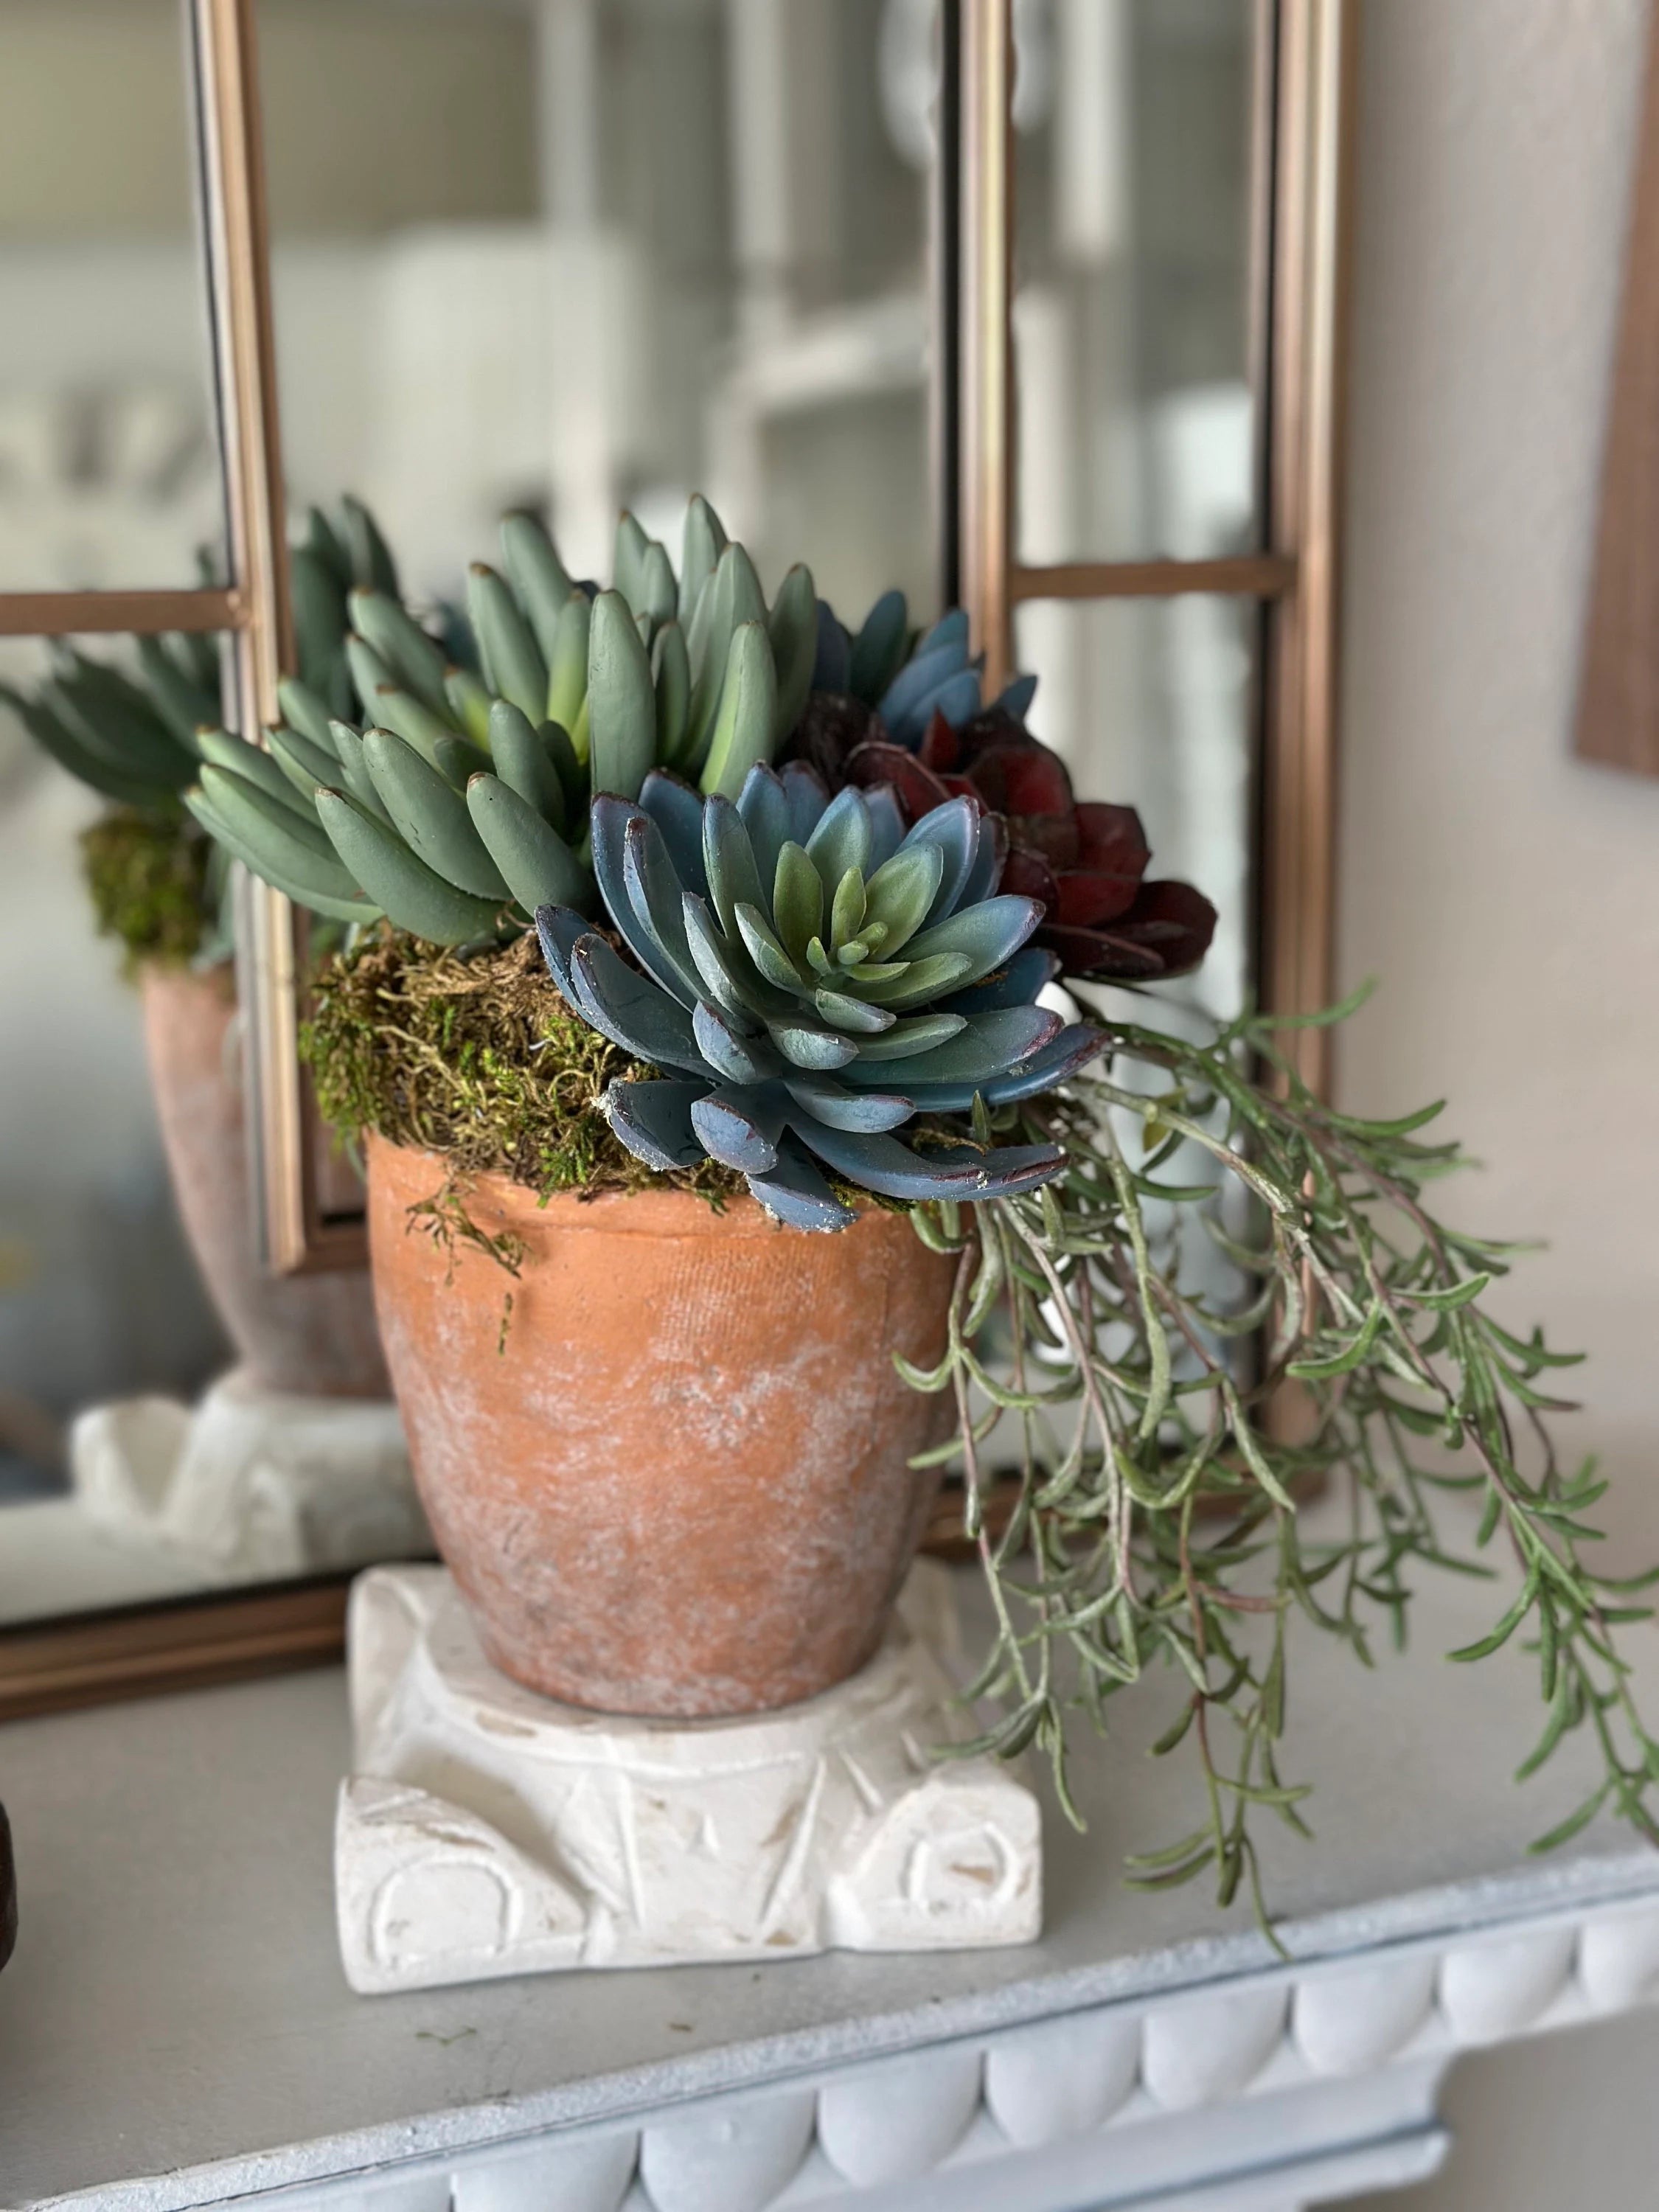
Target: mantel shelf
<point>175,2030</point>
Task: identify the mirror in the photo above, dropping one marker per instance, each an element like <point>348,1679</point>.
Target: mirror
<point>171,1422</point>
<point>109,463</point>
<point>600,253</point>
<point>1134,335</point>
<point>595,253</point>
<point>571,255</point>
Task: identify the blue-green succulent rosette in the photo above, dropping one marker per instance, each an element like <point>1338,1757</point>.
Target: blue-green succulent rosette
<point>809,979</point>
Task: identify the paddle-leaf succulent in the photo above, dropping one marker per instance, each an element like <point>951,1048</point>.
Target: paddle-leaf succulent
<point>459,805</point>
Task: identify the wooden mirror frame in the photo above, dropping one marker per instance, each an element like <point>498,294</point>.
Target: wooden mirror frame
<point>1304,70</point>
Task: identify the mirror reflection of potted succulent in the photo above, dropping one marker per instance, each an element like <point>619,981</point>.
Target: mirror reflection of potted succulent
<point>293,1461</point>
<point>161,886</point>
<point>655,1417</point>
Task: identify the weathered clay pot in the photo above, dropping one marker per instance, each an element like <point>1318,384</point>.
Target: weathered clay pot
<point>677,1484</point>
<point>313,1334</point>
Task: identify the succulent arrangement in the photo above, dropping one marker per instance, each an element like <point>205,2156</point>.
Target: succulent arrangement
<point>459,806</point>
<point>807,894</point>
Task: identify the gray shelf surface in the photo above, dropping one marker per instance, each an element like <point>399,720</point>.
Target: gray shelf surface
<point>176,2006</point>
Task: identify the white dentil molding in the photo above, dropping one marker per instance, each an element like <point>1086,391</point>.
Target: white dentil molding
<point>1259,2092</point>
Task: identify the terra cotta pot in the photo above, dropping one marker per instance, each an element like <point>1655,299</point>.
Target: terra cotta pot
<point>671,1478</point>
<point>311,1334</point>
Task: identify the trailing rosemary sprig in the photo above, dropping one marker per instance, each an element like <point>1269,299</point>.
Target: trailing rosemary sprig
<point>1162,1433</point>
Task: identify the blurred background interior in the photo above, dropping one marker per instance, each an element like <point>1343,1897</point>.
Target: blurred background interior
<point>578,255</point>
<point>596,251</point>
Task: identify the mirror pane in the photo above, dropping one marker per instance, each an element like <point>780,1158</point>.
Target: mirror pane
<point>109,460</point>
<point>598,253</point>
<point>173,1420</point>
<point>1136,422</point>
<point>98,1296</point>
<point>1152,703</point>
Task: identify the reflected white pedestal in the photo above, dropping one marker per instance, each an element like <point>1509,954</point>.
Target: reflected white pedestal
<point>486,1831</point>
<point>248,1484</point>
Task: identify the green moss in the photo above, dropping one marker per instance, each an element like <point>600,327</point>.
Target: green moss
<point>149,877</point>
<point>479,1060</point>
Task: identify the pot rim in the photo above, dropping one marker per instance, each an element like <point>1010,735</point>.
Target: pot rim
<point>652,1211</point>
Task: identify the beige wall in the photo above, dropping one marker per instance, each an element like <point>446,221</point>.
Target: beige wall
<point>1508,895</point>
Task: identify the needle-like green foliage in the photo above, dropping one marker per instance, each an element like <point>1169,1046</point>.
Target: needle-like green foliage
<point>1157,1522</point>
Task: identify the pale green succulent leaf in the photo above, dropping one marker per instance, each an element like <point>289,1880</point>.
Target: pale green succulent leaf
<point>670,669</point>
<point>409,718</point>
<point>843,1012</point>
<point>566,698</point>
<point>410,895</point>
<point>918,1033</point>
<point>415,661</point>
<point>840,841</point>
<point>457,759</point>
<point>512,665</point>
<point>768,955</point>
<point>792,628</point>
<point>733,600</point>
<point>627,560</point>
<point>469,702</point>
<point>317,594</point>
<point>302,710</point>
<point>349,743</point>
<point>808,1045</point>
<point>272,836</point>
<point>921,980</point>
<point>185,708</point>
<point>797,902</point>
<point>703,543</point>
<point>304,764</point>
<point>572,775</point>
<point>368,672</point>
<point>352,906</point>
<point>537,576</point>
<point>622,702</point>
<point>521,760</point>
<point>660,593</point>
<point>368,552</point>
<point>898,896</point>
<point>537,867</point>
<point>989,934</point>
<point>743,726</point>
<point>431,816</point>
<point>847,916</point>
<point>728,859</point>
<point>222,750</point>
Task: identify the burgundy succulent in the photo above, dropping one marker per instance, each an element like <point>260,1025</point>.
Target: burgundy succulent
<point>1087,861</point>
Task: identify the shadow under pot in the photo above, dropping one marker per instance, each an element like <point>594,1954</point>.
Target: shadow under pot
<point>310,1336</point>
<point>672,1478</point>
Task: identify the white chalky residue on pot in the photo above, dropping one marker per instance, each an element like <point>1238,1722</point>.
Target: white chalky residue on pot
<point>681,1484</point>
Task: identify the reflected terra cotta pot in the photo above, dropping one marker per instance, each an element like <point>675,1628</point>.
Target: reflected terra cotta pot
<point>677,1482</point>
<point>313,1335</point>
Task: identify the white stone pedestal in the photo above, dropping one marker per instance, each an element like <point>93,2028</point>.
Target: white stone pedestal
<point>250,1483</point>
<point>486,1831</point>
